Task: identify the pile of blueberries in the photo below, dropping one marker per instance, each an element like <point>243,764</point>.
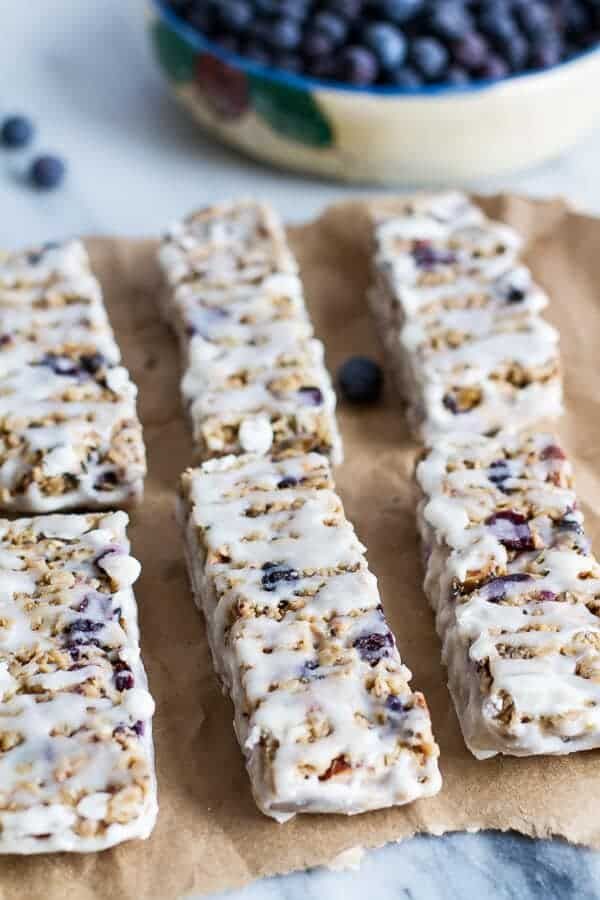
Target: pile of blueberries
<point>45,171</point>
<point>402,43</point>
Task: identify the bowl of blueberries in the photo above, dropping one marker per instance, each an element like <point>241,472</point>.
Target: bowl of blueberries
<point>405,91</point>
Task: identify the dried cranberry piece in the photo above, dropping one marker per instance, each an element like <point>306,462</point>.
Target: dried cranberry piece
<point>276,572</point>
<point>124,680</point>
<point>373,647</point>
<point>552,451</point>
<point>106,480</point>
<point>449,401</point>
<point>494,590</point>
<point>511,529</point>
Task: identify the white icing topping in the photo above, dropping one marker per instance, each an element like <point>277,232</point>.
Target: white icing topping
<point>323,710</point>
<point>251,362</point>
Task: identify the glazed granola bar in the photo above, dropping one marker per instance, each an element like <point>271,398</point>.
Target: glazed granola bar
<point>460,319</point>
<point>516,592</point>
<point>69,432</point>
<point>76,758</point>
<point>324,713</point>
<point>255,378</point>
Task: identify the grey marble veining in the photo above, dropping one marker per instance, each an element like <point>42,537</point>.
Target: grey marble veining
<point>82,70</point>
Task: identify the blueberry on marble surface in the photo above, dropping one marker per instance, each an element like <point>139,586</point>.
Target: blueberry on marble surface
<point>360,380</point>
<point>47,172</point>
<point>16,131</point>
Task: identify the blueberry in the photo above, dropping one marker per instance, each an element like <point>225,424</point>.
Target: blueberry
<point>332,25</point>
<point>429,57</point>
<point>17,131</point>
<point>545,52</point>
<point>498,24</point>
<point>47,172</point>
<point>387,43</point>
<point>83,626</point>
<point>350,9</point>
<point>360,380</point>
<point>236,14</point>
<point>471,52</point>
<point>311,396</point>
<point>407,78</point>
<point>106,481</point>
<point>426,256</point>
<point>494,589</point>
<point>511,529</point>
<point>318,44</point>
<point>285,34</point>
<point>535,17</point>
<point>60,365</point>
<point>124,680</point>
<point>288,482</point>
<point>358,66</point>
<point>494,68</point>
<point>449,20</point>
<point>274,573</point>
<point>457,76</point>
<point>289,61</point>
<point>92,362</point>
<point>394,704</point>
<point>373,647</point>
<point>400,11</point>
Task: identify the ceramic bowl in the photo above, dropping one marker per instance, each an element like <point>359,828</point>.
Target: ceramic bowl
<point>432,135</point>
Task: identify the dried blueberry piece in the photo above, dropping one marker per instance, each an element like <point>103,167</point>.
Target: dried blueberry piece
<point>494,590</point>
<point>511,529</point>
<point>288,482</point>
<point>139,728</point>
<point>92,362</point>
<point>106,480</point>
<point>308,670</point>
<point>515,295</point>
<point>427,256</point>
<point>569,524</point>
<point>311,396</point>
<point>499,472</point>
<point>373,647</point>
<point>395,704</point>
<point>274,573</point>
<point>124,679</point>
<point>60,365</point>
<point>449,401</point>
<point>5,339</point>
<point>83,626</point>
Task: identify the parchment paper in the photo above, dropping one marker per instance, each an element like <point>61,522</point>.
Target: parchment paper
<point>209,834</point>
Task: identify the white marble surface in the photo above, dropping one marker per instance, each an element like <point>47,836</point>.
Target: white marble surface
<point>82,70</point>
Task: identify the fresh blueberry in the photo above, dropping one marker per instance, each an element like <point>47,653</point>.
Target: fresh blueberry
<point>358,66</point>
<point>494,68</point>
<point>456,76</point>
<point>400,11</point>
<point>545,52</point>
<point>47,172</point>
<point>317,44</point>
<point>360,380</point>
<point>285,34</point>
<point>535,17</point>
<point>429,57</point>
<point>407,78</point>
<point>274,573</point>
<point>349,9</point>
<point>17,131</point>
<point>235,14</point>
<point>449,20</point>
<point>387,43</point>
<point>332,25</point>
<point>471,51</point>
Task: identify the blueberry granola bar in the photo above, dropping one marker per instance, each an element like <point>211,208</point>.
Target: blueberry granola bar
<point>323,709</point>
<point>76,759</point>
<point>69,432</point>
<point>255,378</point>
<point>516,592</point>
<point>459,316</point>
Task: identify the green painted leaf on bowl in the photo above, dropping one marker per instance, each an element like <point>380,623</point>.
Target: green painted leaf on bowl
<point>174,54</point>
<point>291,112</point>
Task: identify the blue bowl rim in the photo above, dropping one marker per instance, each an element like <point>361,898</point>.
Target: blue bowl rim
<point>305,82</point>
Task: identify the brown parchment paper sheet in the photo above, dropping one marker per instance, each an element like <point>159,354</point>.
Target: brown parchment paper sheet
<point>209,834</point>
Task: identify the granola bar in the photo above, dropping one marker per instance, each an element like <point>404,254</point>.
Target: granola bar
<point>76,758</point>
<point>69,432</point>
<point>459,316</point>
<point>255,378</point>
<point>515,588</point>
<point>324,713</point>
